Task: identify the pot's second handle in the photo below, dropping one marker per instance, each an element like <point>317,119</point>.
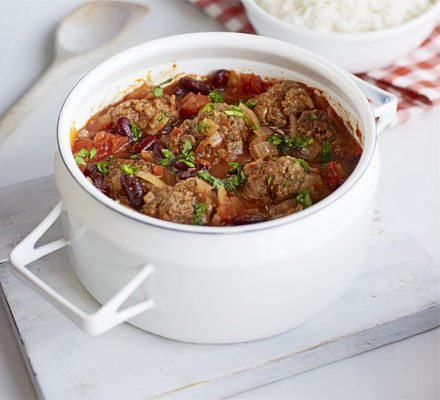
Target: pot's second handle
<point>386,102</point>
<point>102,320</point>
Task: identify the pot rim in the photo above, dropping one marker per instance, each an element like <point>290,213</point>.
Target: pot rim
<point>234,41</point>
<point>348,37</point>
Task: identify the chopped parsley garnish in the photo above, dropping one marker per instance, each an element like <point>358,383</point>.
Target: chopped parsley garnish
<point>209,107</point>
<point>237,178</point>
<point>326,154</point>
<point>255,127</point>
<point>212,180</point>
<point>137,133</point>
<point>269,180</point>
<point>135,156</point>
<point>157,90</point>
<point>161,116</point>
<point>286,143</point>
<point>112,157</point>
<point>117,201</point>
<point>92,153</point>
<point>250,104</point>
<point>284,183</point>
<point>304,198</point>
<point>169,157</point>
<point>187,155</point>
<point>324,166</point>
<point>199,209</point>
<point>216,97</point>
<point>303,163</point>
<point>313,116</point>
<point>83,153</point>
<point>102,167</point>
<point>202,126</point>
<point>234,111</point>
<point>128,169</point>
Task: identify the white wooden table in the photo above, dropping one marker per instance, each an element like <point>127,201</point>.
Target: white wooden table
<point>410,183</point>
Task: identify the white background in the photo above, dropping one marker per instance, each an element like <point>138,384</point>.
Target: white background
<point>410,185</point>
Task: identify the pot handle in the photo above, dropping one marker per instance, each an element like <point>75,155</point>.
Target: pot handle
<point>385,111</point>
<point>105,317</point>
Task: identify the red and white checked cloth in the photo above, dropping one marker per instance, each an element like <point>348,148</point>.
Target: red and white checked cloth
<point>414,79</point>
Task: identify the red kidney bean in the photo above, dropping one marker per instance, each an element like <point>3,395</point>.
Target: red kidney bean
<point>180,165</point>
<point>180,92</point>
<point>93,173</point>
<point>133,190</point>
<point>245,218</point>
<point>166,130</point>
<point>195,86</point>
<point>182,175</point>
<point>143,144</point>
<point>122,126</point>
<point>157,150</point>
<point>220,78</point>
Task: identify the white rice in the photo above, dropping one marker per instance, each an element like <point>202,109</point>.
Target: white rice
<point>345,15</point>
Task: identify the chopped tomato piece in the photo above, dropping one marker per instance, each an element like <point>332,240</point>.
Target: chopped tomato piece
<point>333,175</point>
<point>252,84</point>
<point>158,170</point>
<point>82,143</point>
<point>107,144</point>
<point>191,104</point>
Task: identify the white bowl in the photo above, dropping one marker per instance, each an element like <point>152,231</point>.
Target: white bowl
<point>356,52</point>
<point>209,284</point>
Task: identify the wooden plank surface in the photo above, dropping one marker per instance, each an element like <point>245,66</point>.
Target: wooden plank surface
<point>397,297</point>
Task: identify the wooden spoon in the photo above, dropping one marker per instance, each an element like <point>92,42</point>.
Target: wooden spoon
<point>87,35</point>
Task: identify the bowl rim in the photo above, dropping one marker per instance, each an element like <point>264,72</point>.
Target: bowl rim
<point>347,37</point>
<point>233,40</point>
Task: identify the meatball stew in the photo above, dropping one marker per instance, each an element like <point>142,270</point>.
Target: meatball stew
<point>230,149</point>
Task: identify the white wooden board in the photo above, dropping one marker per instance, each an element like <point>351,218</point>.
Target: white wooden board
<point>397,297</point>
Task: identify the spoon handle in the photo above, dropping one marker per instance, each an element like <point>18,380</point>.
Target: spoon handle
<point>33,96</point>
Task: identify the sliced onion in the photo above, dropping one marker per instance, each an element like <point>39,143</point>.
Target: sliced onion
<point>202,186</point>
<point>209,127</point>
<point>222,195</point>
<point>215,139</point>
<point>293,133</point>
<point>234,78</point>
<point>116,183</point>
<point>311,151</point>
<point>149,177</point>
<point>252,120</point>
<point>262,150</point>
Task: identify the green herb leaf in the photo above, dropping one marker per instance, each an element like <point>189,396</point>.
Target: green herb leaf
<point>135,156</point>
<point>197,220</point>
<point>209,107</point>
<point>269,180</point>
<point>137,133</point>
<point>255,127</point>
<point>326,154</point>
<point>303,163</point>
<point>250,104</point>
<point>237,173</point>
<point>92,153</point>
<point>199,208</point>
<point>304,198</point>
<point>157,91</point>
<point>313,116</point>
<point>165,82</point>
<point>275,139</point>
<point>216,97</point>
<point>234,111</point>
<point>161,116</point>
<point>284,183</point>
<point>202,126</point>
<point>302,141</point>
<point>82,153</point>
<point>128,169</point>
<point>102,167</point>
<point>212,180</point>
<point>112,157</point>
<point>80,160</point>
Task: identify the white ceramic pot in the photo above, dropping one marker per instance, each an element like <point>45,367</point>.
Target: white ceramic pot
<point>356,52</point>
<point>210,284</point>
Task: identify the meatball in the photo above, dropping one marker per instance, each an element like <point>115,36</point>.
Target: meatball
<point>316,124</point>
<point>150,115</point>
<point>280,101</point>
<point>176,203</point>
<point>275,181</point>
<point>232,130</point>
